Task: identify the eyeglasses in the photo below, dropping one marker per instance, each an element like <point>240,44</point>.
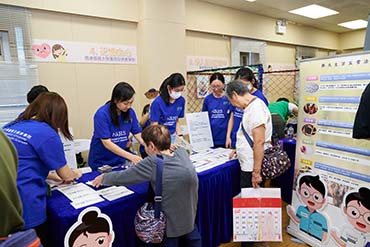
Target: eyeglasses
<point>317,197</point>
<point>354,213</point>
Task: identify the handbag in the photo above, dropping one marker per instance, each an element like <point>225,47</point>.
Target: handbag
<point>26,238</point>
<point>275,161</point>
<point>150,221</point>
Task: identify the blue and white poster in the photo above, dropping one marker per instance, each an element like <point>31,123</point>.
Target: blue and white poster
<point>331,197</point>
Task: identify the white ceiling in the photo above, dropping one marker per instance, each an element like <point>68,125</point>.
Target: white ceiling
<point>348,10</point>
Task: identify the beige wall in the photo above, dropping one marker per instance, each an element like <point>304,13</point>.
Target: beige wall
<point>206,44</point>
<point>206,17</point>
<point>112,9</point>
<point>157,32</point>
<point>85,87</point>
<point>352,40</point>
<point>277,53</point>
<point>161,37</point>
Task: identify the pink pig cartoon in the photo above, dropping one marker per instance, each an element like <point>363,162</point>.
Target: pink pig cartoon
<point>42,50</point>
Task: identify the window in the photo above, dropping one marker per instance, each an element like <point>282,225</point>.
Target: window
<point>248,58</point>
<point>18,72</point>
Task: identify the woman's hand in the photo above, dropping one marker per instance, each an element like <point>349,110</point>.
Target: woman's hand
<point>135,158</point>
<point>98,181</point>
<point>78,173</point>
<point>256,179</point>
<point>228,142</point>
<point>54,176</point>
<point>173,147</point>
<point>232,154</point>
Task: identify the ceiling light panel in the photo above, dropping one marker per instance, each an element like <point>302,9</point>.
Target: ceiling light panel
<point>357,24</point>
<point>314,11</point>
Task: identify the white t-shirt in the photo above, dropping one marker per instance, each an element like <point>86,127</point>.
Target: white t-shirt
<point>291,107</point>
<point>255,114</point>
<point>353,238</point>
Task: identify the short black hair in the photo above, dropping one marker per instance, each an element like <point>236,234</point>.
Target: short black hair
<point>145,109</point>
<point>314,182</point>
<point>363,196</point>
<point>35,91</point>
<point>282,99</point>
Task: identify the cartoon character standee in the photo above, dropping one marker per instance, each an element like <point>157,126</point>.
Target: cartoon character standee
<point>356,209</point>
<point>92,229</point>
<point>312,192</point>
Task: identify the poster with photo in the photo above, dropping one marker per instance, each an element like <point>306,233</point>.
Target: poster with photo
<point>331,197</point>
<point>202,86</point>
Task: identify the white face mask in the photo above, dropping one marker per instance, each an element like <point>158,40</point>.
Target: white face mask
<point>175,95</point>
<point>249,86</point>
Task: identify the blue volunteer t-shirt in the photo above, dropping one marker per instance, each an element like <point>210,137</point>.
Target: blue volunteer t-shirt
<point>219,110</point>
<point>105,129</point>
<point>40,150</point>
<point>167,115</point>
<point>238,115</point>
<point>260,95</point>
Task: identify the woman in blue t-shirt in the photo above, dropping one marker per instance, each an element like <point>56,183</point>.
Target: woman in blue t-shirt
<point>219,109</point>
<point>40,150</point>
<point>246,76</point>
<point>169,106</point>
<point>113,123</point>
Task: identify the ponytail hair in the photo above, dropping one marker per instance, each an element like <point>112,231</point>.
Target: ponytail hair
<point>174,80</point>
<point>247,74</point>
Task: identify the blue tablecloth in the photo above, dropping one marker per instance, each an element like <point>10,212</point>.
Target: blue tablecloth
<point>217,187</point>
<point>285,181</point>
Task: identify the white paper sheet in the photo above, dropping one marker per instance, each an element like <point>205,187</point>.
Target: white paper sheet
<point>209,158</point>
<point>81,195</point>
<point>115,192</point>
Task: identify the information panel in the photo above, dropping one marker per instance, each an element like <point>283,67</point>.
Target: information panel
<point>331,197</point>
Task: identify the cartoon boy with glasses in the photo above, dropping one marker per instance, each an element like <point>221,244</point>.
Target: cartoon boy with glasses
<point>312,192</point>
<point>357,211</point>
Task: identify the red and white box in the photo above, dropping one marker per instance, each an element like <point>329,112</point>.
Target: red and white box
<point>257,215</point>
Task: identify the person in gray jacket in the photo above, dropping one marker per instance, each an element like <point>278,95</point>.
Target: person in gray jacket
<point>180,185</point>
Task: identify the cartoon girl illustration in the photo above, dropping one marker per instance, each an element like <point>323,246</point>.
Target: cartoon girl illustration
<point>59,53</point>
<point>91,229</point>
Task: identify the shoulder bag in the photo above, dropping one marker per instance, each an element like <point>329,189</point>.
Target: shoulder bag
<point>150,221</point>
<point>275,161</point>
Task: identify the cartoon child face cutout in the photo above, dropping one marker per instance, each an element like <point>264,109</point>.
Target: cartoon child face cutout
<point>92,229</point>
<point>357,209</point>
<point>311,197</point>
<point>100,239</point>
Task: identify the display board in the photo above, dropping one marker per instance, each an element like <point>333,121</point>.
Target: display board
<point>200,134</point>
<point>331,197</point>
